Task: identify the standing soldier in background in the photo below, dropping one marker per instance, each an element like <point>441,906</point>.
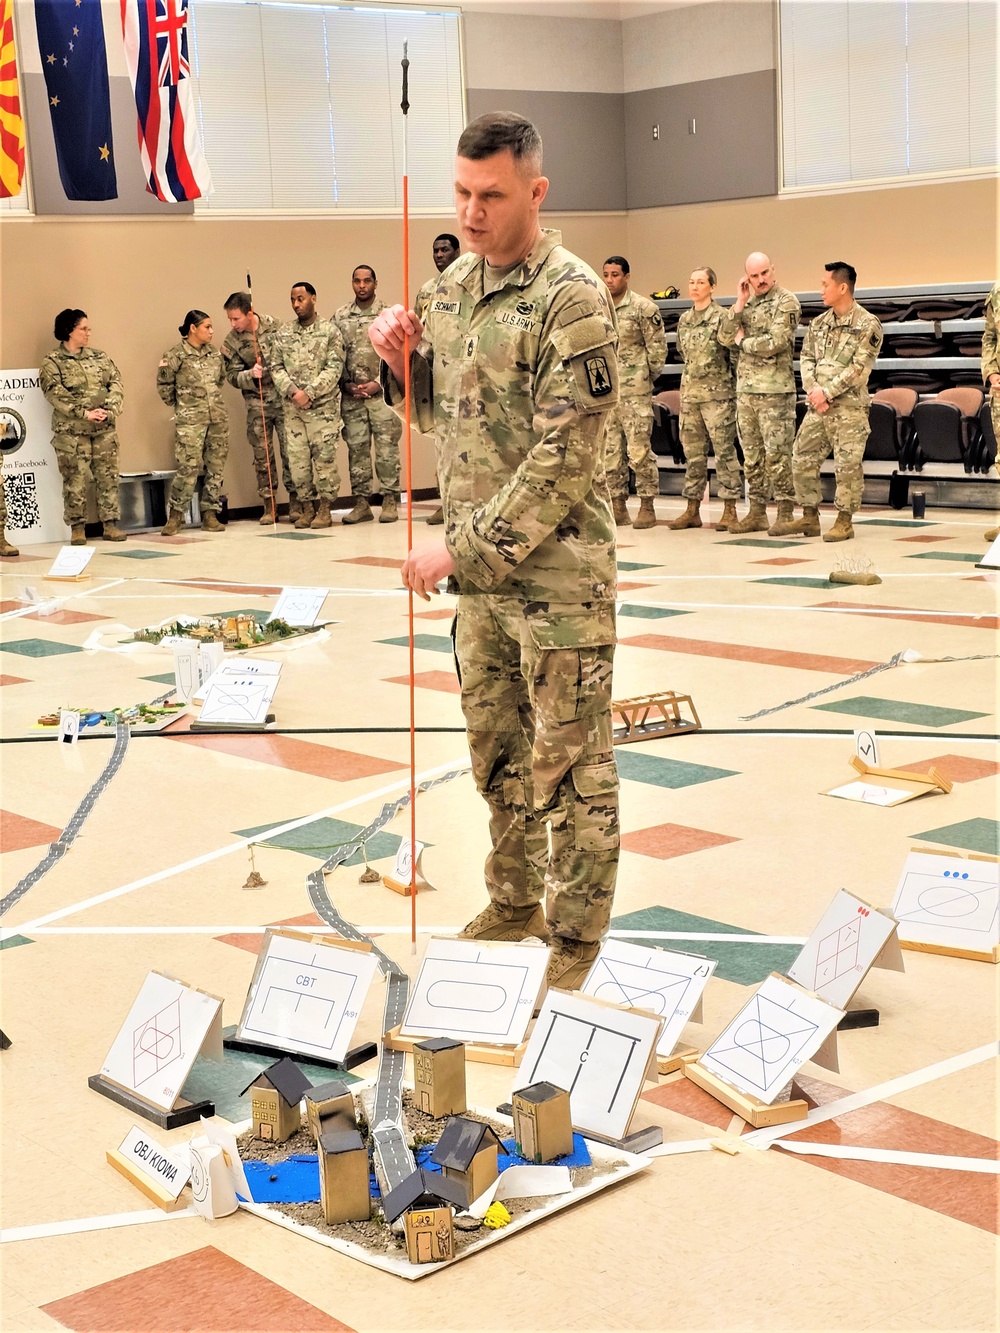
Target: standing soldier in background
<point>241,353</point>
<point>762,324</point>
<point>84,389</point>
<point>642,350</point>
<point>307,360</point>
<point>991,370</point>
<point>369,425</point>
<point>841,346</point>
<point>189,380</point>
<point>446,250</point>
<point>708,404</point>
<point>6,547</point>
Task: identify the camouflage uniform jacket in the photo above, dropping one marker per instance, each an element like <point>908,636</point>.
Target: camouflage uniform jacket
<point>361,363</point>
<point>239,356</point>
<point>839,352</point>
<point>189,379</point>
<point>768,323</point>
<point>708,366</point>
<point>642,344</point>
<point>991,362</point>
<point>75,385</point>
<point>516,383</point>
<point>423,297</point>
<point>310,357</point>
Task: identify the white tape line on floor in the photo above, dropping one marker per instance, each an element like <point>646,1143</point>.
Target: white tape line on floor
<point>46,1229</point>
<point>846,1152</point>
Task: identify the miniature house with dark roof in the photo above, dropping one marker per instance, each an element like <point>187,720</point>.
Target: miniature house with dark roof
<point>467,1154</point>
<point>428,1200</point>
<point>543,1126</point>
<point>330,1109</point>
<point>439,1076</point>
<point>274,1104</point>
<point>343,1176</point>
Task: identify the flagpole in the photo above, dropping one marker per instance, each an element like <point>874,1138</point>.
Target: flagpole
<point>263,415</point>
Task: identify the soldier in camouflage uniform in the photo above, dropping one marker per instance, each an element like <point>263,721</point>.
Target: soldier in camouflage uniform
<point>307,361</point>
<point>85,390</point>
<point>841,346</point>
<point>189,379</point>
<point>708,405</point>
<point>515,371</point>
<point>642,350</point>
<point>446,250</point>
<point>369,425</point>
<point>991,369</point>
<point>762,324</point>
<point>241,353</point>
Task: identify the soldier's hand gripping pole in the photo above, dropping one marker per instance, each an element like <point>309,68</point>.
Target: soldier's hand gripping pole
<point>263,415</point>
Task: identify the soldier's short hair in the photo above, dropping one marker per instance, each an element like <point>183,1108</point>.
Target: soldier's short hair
<point>708,272</point>
<point>239,301</point>
<point>453,241</point>
<point>66,321</point>
<point>621,261</point>
<point>499,130</point>
<point>307,285</point>
<point>369,269</point>
<point>843,272</point>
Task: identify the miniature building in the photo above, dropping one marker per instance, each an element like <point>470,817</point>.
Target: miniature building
<point>467,1154</point>
<point>277,1092</point>
<point>343,1177</point>
<point>439,1077</point>
<point>429,1201</point>
<point>330,1109</point>
<point>543,1127</point>
<point>430,1235</point>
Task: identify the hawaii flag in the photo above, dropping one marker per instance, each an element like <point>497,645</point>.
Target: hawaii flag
<point>156,51</point>
<point>11,125</point>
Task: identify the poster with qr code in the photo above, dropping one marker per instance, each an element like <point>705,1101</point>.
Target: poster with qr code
<point>32,488</point>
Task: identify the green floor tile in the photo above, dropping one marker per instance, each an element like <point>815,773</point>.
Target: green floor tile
<point>223,1083</point>
<point>963,557</point>
<point>657,772</point>
<point>432,643</point>
<point>322,837</point>
<point>630,565</point>
<point>797,581</point>
<point>894,523</point>
<point>13,941</point>
<point>167,678</point>
<point>650,612</point>
<point>742,962</point>
<point>759,541</point>
<point>139,553</point>
<point>39,648</point>
<point>971,835</point>
<point>294,536</point>
<point>897,710</point>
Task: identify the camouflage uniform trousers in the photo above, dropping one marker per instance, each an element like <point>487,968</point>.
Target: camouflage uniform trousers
<point>263,450</point>
<point>843,430</point>
<point>79,456</point>
<point>371,427</point>
<point>539,729</point>
<point>714,422</point>
<point>200,445</point>
<point>627,437</point>
<point>311,444</point>
<point>994,399</point>
<point>766,423</point>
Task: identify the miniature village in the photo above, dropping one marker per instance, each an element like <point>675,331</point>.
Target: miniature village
<point>235,632</point>
<point>133,715</point>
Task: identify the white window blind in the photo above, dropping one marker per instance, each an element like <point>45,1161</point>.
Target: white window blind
<point>875,90</point>
<point>298,105</point>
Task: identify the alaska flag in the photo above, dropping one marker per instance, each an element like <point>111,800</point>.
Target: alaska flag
<point>75,65</point>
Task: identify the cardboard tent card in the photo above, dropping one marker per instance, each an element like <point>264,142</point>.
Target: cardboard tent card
<point>887,786</point>
<point>239,700</point>
<point>991,560</point>
<point>246,666</point>
<point>848,940</point>
<point>662,982</point>
<point>948,903</point>
<point>70,564</point>
<point>299,606</point>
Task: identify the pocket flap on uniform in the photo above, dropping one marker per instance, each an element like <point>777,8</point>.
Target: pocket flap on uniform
<point>581,335</point>
<point>573,629</point>
<point>595,779</point>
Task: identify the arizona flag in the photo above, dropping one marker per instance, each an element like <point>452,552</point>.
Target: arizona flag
<point>11,124</point>
<point>156,51</point>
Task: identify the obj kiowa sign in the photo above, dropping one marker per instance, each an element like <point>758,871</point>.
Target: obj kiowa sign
<point>32,485</point>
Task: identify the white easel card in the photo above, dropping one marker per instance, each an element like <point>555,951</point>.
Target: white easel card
<point>662,982</point>
<point>779,1028</point>
<point>246,666</point>
<point>167,1027</point>
<point>299,606</point>
<point>306,993</point>
<point>842,948</point>
<point>474,991</point>
<point>949,903</point>
<point>866,745</point>
<point>238,701</point>
<point>186,668</point>
<point>875,793</point>
<point>71,563</point>
<point>597,1052</point>
<point>991,560</point>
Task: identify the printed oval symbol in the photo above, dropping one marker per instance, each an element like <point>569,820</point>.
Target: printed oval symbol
<point>472,996</point>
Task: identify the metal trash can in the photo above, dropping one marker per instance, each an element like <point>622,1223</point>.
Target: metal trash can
<point>143,500</point>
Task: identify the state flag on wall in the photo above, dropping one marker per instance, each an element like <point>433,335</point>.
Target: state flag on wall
<point>156,51</point>
<point>75,66</point>
<point>11,124</point>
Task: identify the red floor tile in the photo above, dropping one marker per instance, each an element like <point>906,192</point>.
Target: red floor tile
<point>687,1099</point>
<point>925,539</point>
<point>782,560</point>
<point>631,587</point>
<point>14,680</point>
<point>744,652</point>
<point>252,942</point>
<point>235,588</point>
<point>954,767</point>
<point>444,681</point>
<point>668,840</point>
<point>320,761</point>
<point>443,613</point>
<point>17,832</point>
<point>10,605</point>
<point>905,613</point>
<point>374,561</point>
<point>65,617</point>
<point>205,1290</point>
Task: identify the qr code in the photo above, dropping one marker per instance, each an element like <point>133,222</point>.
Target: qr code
<point>21,495</point>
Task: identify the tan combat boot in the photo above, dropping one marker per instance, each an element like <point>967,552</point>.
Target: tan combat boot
<point>269,516</point>
<point>569,962</point>
<point>992,535</point>
<point>294,508</point>
<point>173,524</point>
<point>210,521</point>
<point>842,530</point>
<point>784,520</point>
<point>321,515</point>
<point>78,535</point>
<point>112,532</point>
<point>619,512</point>
<point>755,519</point>
<point>646,517</point>
<point>691,518</point>
<point>362,511</point>
<point>498,922</point>
<point>5,546</point>
<point>807,525</point>
<point>436,518</point>
<point>306,512</point>
<point>728,520</point>
<point>390,509</point>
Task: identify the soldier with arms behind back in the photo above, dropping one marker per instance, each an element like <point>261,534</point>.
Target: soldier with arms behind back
<point>189,380</point>
<point>445,250</point>
<point>991,370</point>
